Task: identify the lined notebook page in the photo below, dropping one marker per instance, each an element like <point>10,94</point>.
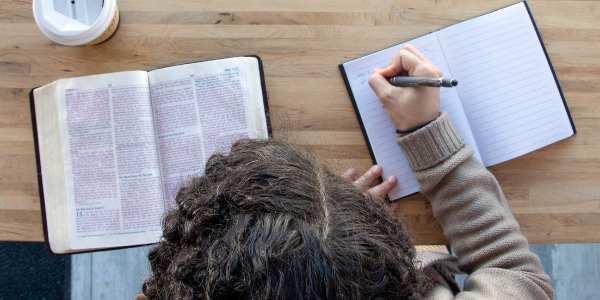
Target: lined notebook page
<point>505,84</point>
<point>379,128</point>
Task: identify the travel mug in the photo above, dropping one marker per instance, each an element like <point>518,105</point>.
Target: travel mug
<point>77,22</point>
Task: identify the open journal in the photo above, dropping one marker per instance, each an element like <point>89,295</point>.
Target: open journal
<point>112,149</point>
<point>507,102</point>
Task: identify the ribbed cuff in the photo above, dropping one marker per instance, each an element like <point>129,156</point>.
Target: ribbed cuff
<point>431,144</point>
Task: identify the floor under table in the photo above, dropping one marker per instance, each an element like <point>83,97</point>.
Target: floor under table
<point>574,269</point>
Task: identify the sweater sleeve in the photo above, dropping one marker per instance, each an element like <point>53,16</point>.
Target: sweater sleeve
<point>471,208</point>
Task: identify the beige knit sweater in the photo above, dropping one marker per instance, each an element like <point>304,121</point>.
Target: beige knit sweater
<point>468,203</point>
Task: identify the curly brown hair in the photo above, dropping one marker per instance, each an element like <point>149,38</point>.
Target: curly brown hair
<point>266,221</point>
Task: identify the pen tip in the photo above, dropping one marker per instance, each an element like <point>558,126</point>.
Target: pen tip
<point>454,82</point>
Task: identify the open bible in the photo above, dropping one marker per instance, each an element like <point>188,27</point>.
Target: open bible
<point>112,149</point>
<point>507,102</point>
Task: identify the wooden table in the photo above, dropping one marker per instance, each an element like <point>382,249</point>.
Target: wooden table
<point>554,192</point>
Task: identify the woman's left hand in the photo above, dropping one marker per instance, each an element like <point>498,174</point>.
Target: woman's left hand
<point>365,182</point>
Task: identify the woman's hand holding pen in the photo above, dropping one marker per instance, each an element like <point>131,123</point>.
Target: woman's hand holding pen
<point>407,107</point>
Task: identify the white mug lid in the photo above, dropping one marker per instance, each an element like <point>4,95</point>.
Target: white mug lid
<point>73,22</point>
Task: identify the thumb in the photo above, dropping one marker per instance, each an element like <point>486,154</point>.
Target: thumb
<point>379,84</point>
<point>390,70</point>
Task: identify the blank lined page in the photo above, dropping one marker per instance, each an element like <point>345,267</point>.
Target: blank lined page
<point>506,85</point>
<point>380,130</point>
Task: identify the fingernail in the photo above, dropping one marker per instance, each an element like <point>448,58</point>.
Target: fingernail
<point>391,179</point>
<point>376,169</point>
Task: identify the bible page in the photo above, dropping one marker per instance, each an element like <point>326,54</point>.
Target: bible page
<point>111,164</point>
<point>201,109</point>
<point>380,130</point>
<point>506,84</point>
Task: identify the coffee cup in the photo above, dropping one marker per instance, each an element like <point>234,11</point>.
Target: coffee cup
<point>77,22</point>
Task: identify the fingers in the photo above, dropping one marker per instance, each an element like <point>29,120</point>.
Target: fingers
<point>349,174</point>
<point>410,48</point>
<point>368,178</point>
<point>394,67</point>
<point>382,88</point>
<point>411,63</point>
<point>384,188</point>
<point>410,60</point>
<point>433,69</point>
<point>404,60</point>
<point>379,191</point>
<point>423,67</point>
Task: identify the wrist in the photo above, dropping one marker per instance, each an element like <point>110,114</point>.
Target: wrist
<point>431,144</point>
<point>405,117</point>
<point>413,129</point>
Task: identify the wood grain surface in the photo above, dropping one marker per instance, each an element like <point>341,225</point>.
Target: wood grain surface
<point>553,192</point>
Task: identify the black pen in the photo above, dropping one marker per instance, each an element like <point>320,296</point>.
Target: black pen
<point>405,81</point>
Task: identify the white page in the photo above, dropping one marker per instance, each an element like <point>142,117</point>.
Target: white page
<point>200,109</point>
<point>505,84</point>
<point>111,167</point>
<point>379,128</point>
